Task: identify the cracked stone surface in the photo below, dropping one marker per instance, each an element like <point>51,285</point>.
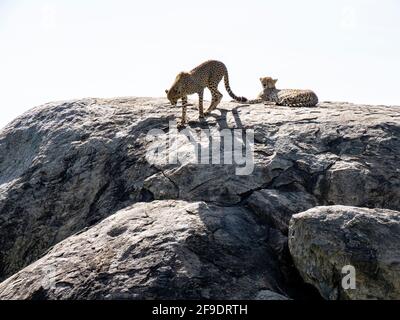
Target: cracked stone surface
<point>323,240</point>
<point>161,250</point>
<point>270,295</point>
<point>66,166</point>
<point>277,207</point>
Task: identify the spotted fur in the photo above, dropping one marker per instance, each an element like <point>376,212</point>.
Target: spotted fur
<point>285,97</point>
<point>207,75</point>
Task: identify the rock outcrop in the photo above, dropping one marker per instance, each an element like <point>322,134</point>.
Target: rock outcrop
<point>161,250</point>
<point>64,167</point>
<point>324,240</point>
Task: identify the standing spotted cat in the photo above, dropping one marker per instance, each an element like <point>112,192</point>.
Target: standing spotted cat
<point>209,74</point>
<point>285,97</point>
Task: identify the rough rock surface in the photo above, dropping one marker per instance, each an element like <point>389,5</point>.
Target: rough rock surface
<point>270,295</point>
<point>161,250</point>
<point>66,166</point>
<point>277,207</point>
<point>323,240</point>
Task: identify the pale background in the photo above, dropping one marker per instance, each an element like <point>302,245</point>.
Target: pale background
<point>346,50</point>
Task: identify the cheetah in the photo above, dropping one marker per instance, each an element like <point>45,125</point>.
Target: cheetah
<point>285,97</point>
<point>208,74</point>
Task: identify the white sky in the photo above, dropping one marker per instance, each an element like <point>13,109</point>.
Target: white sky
<point>346,50</point>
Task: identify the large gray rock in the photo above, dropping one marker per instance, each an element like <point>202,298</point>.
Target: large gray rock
<point>160,250</point>
<point>270,295</point>
<point>66,166</point>
<point>323,240</point>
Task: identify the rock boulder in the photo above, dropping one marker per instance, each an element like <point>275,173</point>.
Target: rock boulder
<point>324,240</point>
<point>67,166</point>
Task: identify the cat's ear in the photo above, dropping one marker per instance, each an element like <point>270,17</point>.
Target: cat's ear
<point>275,81</point>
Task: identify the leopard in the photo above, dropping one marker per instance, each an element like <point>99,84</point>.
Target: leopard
<point>284,97</point>
<point>206,75</point>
